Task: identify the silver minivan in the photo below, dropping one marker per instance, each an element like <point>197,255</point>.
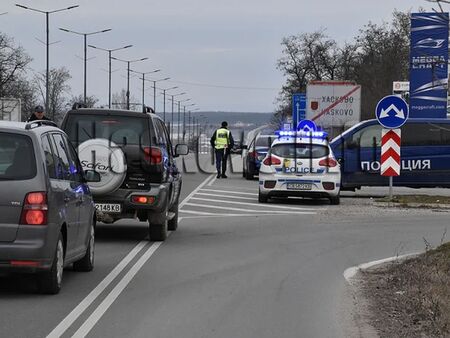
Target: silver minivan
<point>47,215</point>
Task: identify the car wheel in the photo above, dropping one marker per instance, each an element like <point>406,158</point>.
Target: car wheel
<point>87,262</point>
<point>262,198</point>
<point>157,226</point>
<point>248,175</point>
<point>49,282</point>
<point>172,225</point>
<point>335,200</point>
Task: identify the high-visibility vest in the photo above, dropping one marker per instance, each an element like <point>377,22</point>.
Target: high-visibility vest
<point>222,138</point>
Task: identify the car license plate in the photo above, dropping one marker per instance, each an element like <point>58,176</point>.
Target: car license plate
<point>299,186</point>
<point>108,207</point>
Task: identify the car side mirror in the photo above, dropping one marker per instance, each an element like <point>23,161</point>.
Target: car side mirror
<point>92,176</point>
<point>181,149</point>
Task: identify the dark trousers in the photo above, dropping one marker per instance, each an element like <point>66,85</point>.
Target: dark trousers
<point>221,161</point>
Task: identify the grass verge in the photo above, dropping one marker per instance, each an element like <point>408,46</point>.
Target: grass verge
<point>411,298</point>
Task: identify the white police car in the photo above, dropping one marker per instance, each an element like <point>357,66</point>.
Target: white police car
<point>300,164</point>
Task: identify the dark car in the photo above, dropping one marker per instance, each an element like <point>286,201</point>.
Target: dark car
<point>133,153</point>
<point>47,215</point>
<point>256,152</point>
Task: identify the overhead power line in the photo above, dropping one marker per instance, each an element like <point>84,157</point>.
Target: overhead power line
<point>222,86</point>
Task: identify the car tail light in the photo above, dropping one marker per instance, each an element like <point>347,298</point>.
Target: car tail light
<point>152,155</point>
<point>328,162</point>
<point>272,160</point>
<point>328,185</point>
<point>35,209</point>
<point>143,199</point>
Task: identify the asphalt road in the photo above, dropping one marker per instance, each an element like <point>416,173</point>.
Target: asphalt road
<point>234,268</point>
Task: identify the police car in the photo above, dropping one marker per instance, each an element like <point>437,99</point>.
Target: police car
<point>300,164</point>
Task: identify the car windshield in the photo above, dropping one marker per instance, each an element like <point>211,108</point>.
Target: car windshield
<point>17,161</point>
<point>299,150</point>
<point>119,129</point>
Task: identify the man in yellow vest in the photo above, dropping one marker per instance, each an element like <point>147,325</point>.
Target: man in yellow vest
<point>222,142</point>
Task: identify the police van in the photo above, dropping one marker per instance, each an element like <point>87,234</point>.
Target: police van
<point>425,154</point>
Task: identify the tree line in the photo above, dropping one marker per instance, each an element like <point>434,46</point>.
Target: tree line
<point>376,57</point>
<point>19,81</point>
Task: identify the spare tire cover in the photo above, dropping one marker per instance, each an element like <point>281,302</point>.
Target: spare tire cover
<point>108,160</point>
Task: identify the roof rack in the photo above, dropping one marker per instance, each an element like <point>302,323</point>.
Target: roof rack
<point>40,123</point>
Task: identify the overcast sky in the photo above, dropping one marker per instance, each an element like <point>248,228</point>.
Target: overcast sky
<point>222,53</point>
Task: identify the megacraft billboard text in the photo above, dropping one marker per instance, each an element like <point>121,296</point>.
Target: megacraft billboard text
<point>333,103</point>
<point>428,65</point>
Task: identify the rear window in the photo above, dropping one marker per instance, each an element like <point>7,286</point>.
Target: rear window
<point>17,161</point>
<point>121,130</point>
<point>299,150</point>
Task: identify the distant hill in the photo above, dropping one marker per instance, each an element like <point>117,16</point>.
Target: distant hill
<point>240,118</point>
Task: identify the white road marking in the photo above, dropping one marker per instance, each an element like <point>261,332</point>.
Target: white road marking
<point>236,197</point>
<point>196,212</point>
<point>230,215</point>
<point>94,294</point>
<point>266,205</point>
<point>250,210</point>
<point>112,296</point>
<point>350,273</point>
<point>230,192</point>
<point>188,197</point>
<point>212,181</point>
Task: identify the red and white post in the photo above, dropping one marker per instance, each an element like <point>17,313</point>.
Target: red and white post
<point>390,155</point>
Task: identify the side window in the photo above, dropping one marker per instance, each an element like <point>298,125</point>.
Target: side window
<point>62,158</point>
<point>425,134</point>
<point>163,137</point>
<point>368,137</point>
<point>75,166</point>
<point>49,157</point>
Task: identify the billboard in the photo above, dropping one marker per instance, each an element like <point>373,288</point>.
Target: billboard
<point>333,103</point>
<point>428,65</point>
<point>10,109</point>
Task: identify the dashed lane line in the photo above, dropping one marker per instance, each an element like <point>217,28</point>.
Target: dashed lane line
<point>266,205</point>
<point>251,210</point>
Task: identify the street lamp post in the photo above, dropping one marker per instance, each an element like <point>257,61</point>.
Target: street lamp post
<point>154,90</point>
<point>109,58</point>
<point>179,118</point>
<point>128,62</point>
<point>143,84</point>
<point>47,73</point>
<point>184,120</point>
<point>171,125</point>
<point>85,35</point>
<point>164,101</point>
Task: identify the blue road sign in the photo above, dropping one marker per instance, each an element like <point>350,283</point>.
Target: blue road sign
<point>392,112</point>
<point>298,107</point>
<point>306,125</point>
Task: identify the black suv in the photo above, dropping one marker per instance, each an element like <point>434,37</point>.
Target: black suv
<point>133,154</point>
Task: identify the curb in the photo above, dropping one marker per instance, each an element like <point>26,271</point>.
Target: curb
<point>350,273</point>
<point>412,205</point>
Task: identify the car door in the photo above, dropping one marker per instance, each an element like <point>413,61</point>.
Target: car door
<point>173,173</point>
<point>70,198</point>
<point>85,203</point>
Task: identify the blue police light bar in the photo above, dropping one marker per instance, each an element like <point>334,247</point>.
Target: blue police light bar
<point>312,134</point>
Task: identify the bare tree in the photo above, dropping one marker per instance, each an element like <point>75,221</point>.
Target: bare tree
<point>119,100</point>
<point>59,91</point>
<point>91,100</point>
